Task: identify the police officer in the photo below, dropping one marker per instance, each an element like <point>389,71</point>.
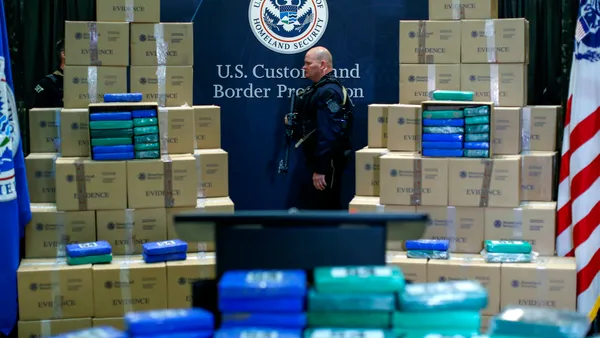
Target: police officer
<point>49,91</point>
<point>324,114</point>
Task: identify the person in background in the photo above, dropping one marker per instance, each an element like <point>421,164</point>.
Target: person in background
<point>323,123</point>
<point>49,91</point>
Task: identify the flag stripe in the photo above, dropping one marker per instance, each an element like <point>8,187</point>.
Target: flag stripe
<point>590,258</point>
<point>578,201</point>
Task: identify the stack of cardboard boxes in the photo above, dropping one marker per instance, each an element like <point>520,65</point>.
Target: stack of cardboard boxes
<point>75,199</point>
<point>465,47</point>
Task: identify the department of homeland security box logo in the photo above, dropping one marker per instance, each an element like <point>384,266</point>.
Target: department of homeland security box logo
<point>288,26</point>
<point>9,137</point>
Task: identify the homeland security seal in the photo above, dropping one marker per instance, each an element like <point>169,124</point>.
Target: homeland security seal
<point>9,137</point>
<point>587,47</point>
<point>288,26</point>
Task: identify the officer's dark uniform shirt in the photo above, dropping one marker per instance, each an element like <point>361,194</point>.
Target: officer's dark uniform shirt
<point>323,110</point>
<point>49,91</point>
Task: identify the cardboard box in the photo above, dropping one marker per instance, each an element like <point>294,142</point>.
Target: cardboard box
<point>371,204</point>
<point>178,85</point>
<point>414,270</point>
<point>534,222</point>
<point>178,42</point>
<point>510,78</point>
<point>74,133</point>
<point>181,275</point>
<point>377,120</point>
<point>162,184</point>
<point>468,186</point>
<point>128,284</point>
<point>83,184</point>
<point>507,131</point>
<point>50,230</point>
<point>180,129</point>
<point>40,177</point>
<point>127,230</point>
<point>539,125</point>
<point>46,328</point>
<point>404,124</point>
<point>111,44</point>
<point>367,171</point>
<point>212,169</point>
<point>84,85</point>
<point>217,205</point>
<point>469,267</point>
<point>399,181</point>
<point>429,41</point>
<point>461,226</point>
<point>43,130</point>
<point>128,10</point>
<point>537,177</point>
<point>462,9</point>
<point>495,41</point>
<point>116,322</point>
<point>41,282</point>
<point>418,82</point>
<point>207,123</point>
<point>551,282</point>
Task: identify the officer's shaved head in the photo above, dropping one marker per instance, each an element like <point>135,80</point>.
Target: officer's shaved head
<point>317,62</point>
<point>321,54</point>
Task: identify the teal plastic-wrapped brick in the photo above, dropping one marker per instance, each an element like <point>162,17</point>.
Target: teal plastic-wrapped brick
<point>359,279</point>
<point>463,320</point>
<point>442,114</point>
<point>477,119</point>
<point>443,130</point>
<point>521,247</point>
<point>452,95</point>
<point>446,296</point>
<point>351,302</point>
<point>477,128</point>
<point>539,322</point>
<point>110,124</point>
<point>362,319</point>
<point>147,154</point>
<point>437,333</point>
<point>348,333</point>
<point>476,111</point>
<point>476,153</point>
<point>482,137</point>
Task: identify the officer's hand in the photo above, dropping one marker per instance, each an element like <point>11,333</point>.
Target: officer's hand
<point>319,181</point>
<point>285,119</point>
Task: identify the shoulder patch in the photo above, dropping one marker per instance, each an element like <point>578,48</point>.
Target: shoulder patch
<point>333,106</point>
<point>39,89</point>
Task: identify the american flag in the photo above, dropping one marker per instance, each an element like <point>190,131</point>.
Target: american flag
<point>578,215</point>
<point>582,29</point>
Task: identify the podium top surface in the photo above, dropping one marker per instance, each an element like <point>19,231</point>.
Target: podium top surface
<point>285,218</point>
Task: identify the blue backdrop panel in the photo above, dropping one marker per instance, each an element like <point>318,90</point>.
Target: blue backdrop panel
<point>363,37</point>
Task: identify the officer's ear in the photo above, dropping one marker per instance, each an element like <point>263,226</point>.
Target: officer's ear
<point>323,65</point>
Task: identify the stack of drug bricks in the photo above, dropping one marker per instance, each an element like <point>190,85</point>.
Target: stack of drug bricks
<point>126,201</point>
<point>508,196</point>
